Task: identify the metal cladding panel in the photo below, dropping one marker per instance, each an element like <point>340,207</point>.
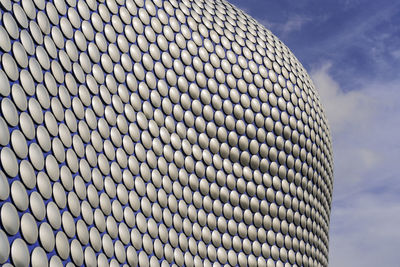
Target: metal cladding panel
<point>157,133</point>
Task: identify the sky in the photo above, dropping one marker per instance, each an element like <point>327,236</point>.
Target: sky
<point>351,49</point>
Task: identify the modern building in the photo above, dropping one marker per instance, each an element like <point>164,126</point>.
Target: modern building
<point>157,133</point>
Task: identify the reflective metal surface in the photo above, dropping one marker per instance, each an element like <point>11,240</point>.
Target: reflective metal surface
<point>154,133</point>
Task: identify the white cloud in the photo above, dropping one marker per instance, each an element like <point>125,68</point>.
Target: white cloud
<point>364,232</point>
<point>365,125</point>
<point>344,109</point>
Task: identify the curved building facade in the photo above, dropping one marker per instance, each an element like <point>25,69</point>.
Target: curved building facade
<point>157,133</point>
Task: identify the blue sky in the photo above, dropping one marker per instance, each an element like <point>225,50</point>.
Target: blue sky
<point>351,48</point>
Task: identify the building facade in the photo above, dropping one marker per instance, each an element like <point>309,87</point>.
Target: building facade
<point>157,133</point>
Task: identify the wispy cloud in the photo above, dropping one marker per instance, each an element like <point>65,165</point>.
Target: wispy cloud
<point>396,53</point>
<point>292,24</point>
<point>365,210</point>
